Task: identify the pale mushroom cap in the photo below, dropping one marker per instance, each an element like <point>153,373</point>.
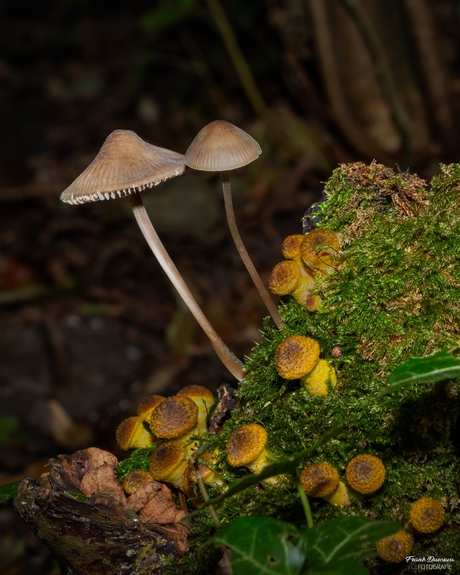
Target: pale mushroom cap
<point>246,444</point>
<point>125,164</point>
<point>220,147</point>
<point>131,434</point>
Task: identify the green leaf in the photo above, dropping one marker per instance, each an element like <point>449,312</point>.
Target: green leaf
<point>287,466</point>
<point>262,546</point>
<point>436,367</point>
<point>343,539</point>
<point>8,492</point>
<point>339,568</point>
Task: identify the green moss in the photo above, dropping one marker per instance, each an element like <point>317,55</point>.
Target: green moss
<point>396,296</point>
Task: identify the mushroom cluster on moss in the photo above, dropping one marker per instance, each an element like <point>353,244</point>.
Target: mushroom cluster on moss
<point>308,258</point>
<point>297,357</point>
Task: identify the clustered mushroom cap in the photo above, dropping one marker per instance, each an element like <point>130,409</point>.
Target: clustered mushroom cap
<point>131,434</point>
<point>136,479</point>
<point>173,417</point>
<point>315,256</point>
<point>291,246</point>
<point>296,356</point>
<point>395,548</point>
<point>168,462</point>
<point>147,405</point>
<point>125,164</point>
<point>365,473</point>
<point>284,278</point>
<point>221,146</point>
<point>319,479</point>
<point>340,497</point>
<point>203,399</point>
<point>318,380</point>
<point>426,515</point>
<point>246,444</point>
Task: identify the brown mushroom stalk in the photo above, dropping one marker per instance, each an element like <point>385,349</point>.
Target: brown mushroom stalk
<point>231,362</point>
<point>269,304</point>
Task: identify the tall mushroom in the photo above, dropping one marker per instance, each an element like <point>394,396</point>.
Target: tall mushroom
<point>126,165</point>
<point>220,147</point>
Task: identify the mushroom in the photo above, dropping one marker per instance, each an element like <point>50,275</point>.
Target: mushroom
<point>296,356</point>
<point>320,379</point>
<point>365,473</point>
<point>319,479</point>
<point>426,515</point>
<point>395,548</point>
<point>246,447</point>
<point>147,405</point>
<point>131,434</point>
<point>168,463</point>
<point>340,497</point>
<point>126,165</point>
<point>174,418</point>
<point>135,479</point>
<point>204,400</point>
<point>220,147</point>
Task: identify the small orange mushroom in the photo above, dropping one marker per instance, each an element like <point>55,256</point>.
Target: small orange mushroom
<point>203,399</point>
<point>319,479</point>
<point>395,548</point>
<point>131,434</point>
<point>426,515</point>
<point>320,379</point>
<point>296,356</point>
<point>365,473</point>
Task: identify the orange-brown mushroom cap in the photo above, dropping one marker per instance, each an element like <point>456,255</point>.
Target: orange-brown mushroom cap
<point>221,146</point>
<point>291,246</point>
<point>125,164</point>
<point>168,463</point>
<point>296,356</point>
<point>173,417</point>
<point>284,277</point>
<point>365,473</point>
<point>426,515</point>
<point>204,400</point>
<point>135,479</point>
<point>147,405</point>
<point>246,444</point>
<point>131,434</point>
<point>319,248</point>
<point>319,479</point>
<point>395,548</point>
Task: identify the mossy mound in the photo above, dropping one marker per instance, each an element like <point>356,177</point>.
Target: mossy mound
<point>397,296</point>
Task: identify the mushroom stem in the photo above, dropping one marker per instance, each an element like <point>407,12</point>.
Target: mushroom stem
<point>231,362</point>
<point>271,307</point>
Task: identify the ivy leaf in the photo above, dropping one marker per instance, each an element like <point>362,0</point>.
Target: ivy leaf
<point>436,367</point>
<point>342,539</point>
<point>339,568</point>
<point>287,466</point>
<point>8,492</point>
<point>262,546</point>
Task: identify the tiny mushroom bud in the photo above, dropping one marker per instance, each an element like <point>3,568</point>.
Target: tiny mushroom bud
<point>319,479</point>
<point>220,147</point>
<point>319,249</point>
<point>127,165</point>
<point>147,405</point>
<point>204,400</point>
<point>296,356</point>
<point>174,417</point>
<point>320,379</point>
<point>395,548</point>
<point>168,463</point>
<point>131,434</point>
<point>426,515</point>
<point>136,479</point>
<point>365,473</point>
<point>246,447</point>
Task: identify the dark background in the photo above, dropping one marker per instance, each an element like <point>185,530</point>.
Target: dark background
<point>89,323</point>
